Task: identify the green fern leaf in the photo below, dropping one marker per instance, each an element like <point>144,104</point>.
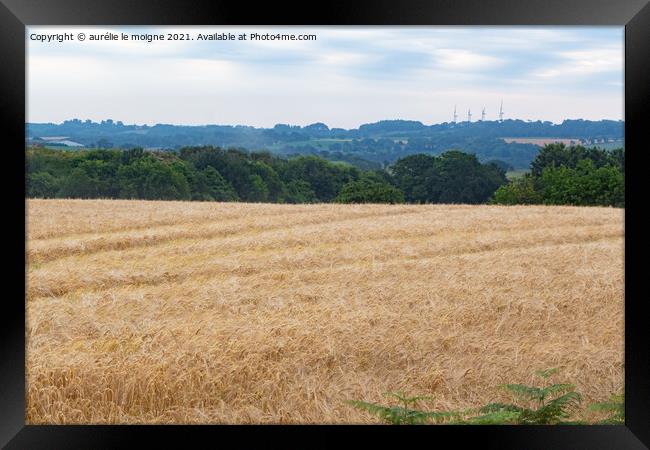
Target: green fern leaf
<point>495,418</point>
<point>405,399</point>
<point>558,408</point>
<point>500,407</point>
<point>615,406</point>
<point>526,392</point>
<point>556,389</point>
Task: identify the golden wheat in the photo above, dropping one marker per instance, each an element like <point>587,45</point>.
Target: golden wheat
<point>177,312</point>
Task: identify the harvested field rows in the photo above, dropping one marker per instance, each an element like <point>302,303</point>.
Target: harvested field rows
<point>177,312</point>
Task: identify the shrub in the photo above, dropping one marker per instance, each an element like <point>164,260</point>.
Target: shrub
<point>520,191</point>
<point>584,185</point>
<point>369,191</point>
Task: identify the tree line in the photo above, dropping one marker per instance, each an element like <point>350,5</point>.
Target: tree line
<point>561,175</point>
<point>168,135</point>
<point>380,143</point>
<point>558,176</point>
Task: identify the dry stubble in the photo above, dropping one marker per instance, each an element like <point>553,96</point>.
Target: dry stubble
<point>176,312</point>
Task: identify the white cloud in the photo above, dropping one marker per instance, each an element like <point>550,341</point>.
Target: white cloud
<point>464,60</point>
<point>344,58</point>
<point>348,76</point>
<point>586,62</point>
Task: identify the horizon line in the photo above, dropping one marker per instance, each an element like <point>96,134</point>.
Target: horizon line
<point>460,122</point>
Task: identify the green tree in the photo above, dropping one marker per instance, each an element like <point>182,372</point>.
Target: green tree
<point>277,190</point>
<point>574,175</point>
<point>416,177</point>
<point>369,191</point>
<point>324,178</point>
<point>101,169</point>
<point>520,191</point>
<point>150,179</point>
<point>131,155</point>
<point>559,155</point>
<point>78,184</point>
<point>42,185</point>
<point>465,180</point>
<point>256,190</point>
<point>584,186</point>
<point>216,186</point>
<point>618,158</point>
<point>453,177</point>
<point>299,191</point>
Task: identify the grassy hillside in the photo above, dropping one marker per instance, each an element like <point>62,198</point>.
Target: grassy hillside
<point>159,312</point>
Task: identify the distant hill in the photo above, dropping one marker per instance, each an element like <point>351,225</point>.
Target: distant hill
<point>371,144</point>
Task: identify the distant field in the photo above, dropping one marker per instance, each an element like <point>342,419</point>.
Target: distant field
<point>63,147</point>
<point>187,312</point>
<point>608,145</point>
<point>516,173</point>
<point>542,141</point>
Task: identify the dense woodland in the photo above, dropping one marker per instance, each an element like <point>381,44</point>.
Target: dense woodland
<point>371,146</point>
<point>562,175</point>
<point>558,175</point>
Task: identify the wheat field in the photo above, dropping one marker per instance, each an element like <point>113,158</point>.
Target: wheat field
<point>188,312</point>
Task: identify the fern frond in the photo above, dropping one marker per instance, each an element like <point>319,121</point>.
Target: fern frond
<point>606,407</point>
<point>553,411</point>
<point>437,417</point>
<point>615,406</point>
<point>570,400</point>
<point>557,389</point>
<point>499,407</point>
<point>495,418</point>
<point>526,392</point>
<point>615,403</point>
<point>558,408</point>
<point>372,408</point>
<point>398,415</point>
<point>405,399</point>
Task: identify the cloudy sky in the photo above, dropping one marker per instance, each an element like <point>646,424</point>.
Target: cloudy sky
<point>346,77</point>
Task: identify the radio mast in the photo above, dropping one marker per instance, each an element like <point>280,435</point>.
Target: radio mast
<point>469,115</point>
<point>455,115</point>
<point>483,114</point>
<point>501,112</point>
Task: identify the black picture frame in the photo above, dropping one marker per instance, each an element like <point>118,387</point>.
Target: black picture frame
<point>633,14</point>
